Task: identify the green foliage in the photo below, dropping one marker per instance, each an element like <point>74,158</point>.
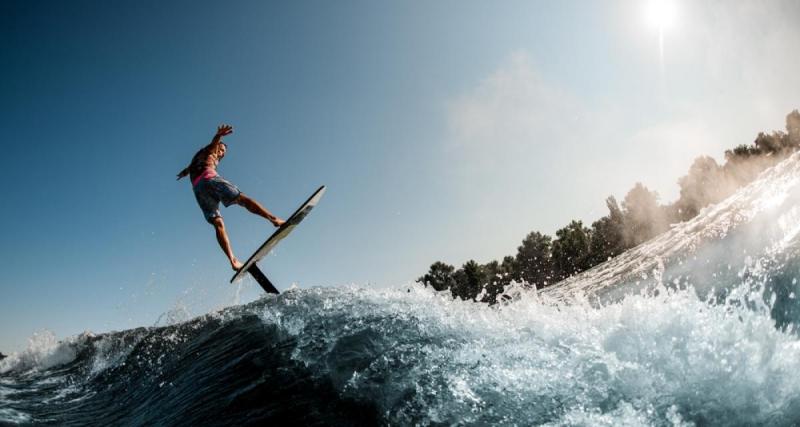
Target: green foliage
<point>741,151</point>
<point>533,263</point>
<point>470,279</point>
<point>439,276</point>
<point>607,235</point>
<point>498,276</point>
<point>570,251</point>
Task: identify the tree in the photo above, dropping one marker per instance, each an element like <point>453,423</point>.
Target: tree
<point>740,152</point>
<point>706,183</point>
<point>510,269</point>
<point>497,277</point>
<point>570,251</point>
<point>642,215</point>
<point>793,128</point>
<point>533,263</point>
<point>541,261</point>
<point>470,279</point>
<point>607,235</point>
<point>774,143</point>
<point>439,276</point>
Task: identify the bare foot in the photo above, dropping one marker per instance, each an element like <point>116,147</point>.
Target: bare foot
<point>236,265</point>
<point>278,222</point>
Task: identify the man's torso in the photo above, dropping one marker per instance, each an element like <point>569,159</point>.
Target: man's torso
<point>204,164</point>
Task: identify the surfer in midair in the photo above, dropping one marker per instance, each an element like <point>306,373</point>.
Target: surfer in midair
<point>210,189</point>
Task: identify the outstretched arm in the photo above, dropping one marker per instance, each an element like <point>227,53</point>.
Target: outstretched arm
<point>222,130</point>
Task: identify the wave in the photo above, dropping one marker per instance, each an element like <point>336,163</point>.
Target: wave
<point>355,356</point>
<point>698,326</point>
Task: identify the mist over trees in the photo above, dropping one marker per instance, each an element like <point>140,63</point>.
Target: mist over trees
<point>541,260</point>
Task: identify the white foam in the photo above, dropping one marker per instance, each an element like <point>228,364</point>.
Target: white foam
<point>751,210</point>
<point>654,358</point>
<point>44,351</point>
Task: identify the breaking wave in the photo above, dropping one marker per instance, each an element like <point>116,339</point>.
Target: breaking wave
<point>698,326</point>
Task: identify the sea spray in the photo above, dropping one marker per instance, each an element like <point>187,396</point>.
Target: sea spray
<point>411,355</point>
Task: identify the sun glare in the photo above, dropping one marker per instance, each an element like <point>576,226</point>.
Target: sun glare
<point>660,14</point>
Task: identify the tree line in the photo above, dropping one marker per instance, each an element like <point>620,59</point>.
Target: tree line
<point>542,260</point>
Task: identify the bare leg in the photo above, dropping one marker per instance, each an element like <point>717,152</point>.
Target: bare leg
<point>256,208</point>
<point>224,243</point>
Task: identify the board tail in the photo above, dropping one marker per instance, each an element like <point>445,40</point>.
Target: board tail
<point>262,279</point>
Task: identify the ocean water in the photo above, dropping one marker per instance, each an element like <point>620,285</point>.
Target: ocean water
<point>696,327</point>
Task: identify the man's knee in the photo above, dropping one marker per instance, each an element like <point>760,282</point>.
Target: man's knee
<point>217,222</point>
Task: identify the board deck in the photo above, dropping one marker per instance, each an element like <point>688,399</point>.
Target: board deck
<point>274,239</point>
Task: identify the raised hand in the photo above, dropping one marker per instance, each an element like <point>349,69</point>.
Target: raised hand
<point>224,129</point>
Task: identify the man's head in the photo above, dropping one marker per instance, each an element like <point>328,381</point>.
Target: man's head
<point>221,150</point>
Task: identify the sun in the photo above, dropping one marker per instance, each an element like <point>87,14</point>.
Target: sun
<point>660,14</point>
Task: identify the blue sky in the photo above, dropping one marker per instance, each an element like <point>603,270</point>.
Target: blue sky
<point>444,130</point>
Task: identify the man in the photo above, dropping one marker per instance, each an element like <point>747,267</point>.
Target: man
<point>210,189</point>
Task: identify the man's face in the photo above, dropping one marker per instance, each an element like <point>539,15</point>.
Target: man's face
<point>222,150</point>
